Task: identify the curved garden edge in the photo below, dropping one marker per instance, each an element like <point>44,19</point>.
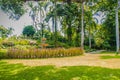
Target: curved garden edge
<point>86,60</point>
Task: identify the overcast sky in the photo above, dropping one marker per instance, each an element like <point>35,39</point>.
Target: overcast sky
<point>17,25</point>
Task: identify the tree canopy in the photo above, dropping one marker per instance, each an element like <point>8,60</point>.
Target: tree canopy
<point>28,31</point>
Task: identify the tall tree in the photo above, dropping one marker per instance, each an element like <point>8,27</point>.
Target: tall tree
<point>82,25</point>
<point>117,28</point>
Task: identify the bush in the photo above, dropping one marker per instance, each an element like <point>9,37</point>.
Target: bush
<point>22,42</point>
<point>2,53</point>
<point>43,53</point>
<point>28,31</point>
<point>32,43</point>
<point>8,43</point>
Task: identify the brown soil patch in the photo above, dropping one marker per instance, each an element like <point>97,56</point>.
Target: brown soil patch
<point>85,60</point>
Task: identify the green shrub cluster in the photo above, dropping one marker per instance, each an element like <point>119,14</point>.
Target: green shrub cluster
<point>43,53</point>
<point>22,42</point>
<point>3,53</point>
<point>8,43</point>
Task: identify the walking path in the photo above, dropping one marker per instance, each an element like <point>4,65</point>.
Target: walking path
<point>85,60</point>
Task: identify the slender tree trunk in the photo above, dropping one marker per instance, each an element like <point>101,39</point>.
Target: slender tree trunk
<point>69,29</point>
<point>69,34</point>
<point>56,38</point>
<point>52,35</point>
<point>89,38</point>
<point>53,22</point>
<point>42,31</point>
<point>117,32</point>
<point>82,24</point>
<point>78,35</point>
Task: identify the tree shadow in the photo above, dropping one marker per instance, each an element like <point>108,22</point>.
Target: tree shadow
<point>20,72</point>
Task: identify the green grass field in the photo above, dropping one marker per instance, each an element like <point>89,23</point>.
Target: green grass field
<point>108,52</point>
<point>110,57</point>
<point>20,72</point>
<point>114,56</point>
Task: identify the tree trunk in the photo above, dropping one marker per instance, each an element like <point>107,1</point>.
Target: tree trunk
<point>69,34</point>
<point>117,32</point>
<point>78,35</point>
<point>89,38</point>
<point>82,24</point>
<point>56,38</point>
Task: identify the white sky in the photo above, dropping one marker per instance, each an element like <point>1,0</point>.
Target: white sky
<point>16,25</point>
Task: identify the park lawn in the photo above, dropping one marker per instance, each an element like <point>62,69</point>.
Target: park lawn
<point>21,72</point>
<point>108,52</point>
<point>107,56</point>
<point>110,57</point>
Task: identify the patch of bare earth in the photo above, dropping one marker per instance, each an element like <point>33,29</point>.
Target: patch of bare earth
<point>85,60</point>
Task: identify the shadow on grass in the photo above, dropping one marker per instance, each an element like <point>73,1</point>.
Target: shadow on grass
<point>20,72</point>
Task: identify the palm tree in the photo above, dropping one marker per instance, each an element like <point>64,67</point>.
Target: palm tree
<point>82,22</point>
<point>38,14</point>
<point>53,15</point>
<point>55,19</point>
<point>33,13</point>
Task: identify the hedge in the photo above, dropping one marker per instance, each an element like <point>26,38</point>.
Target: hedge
<point>14,53</point>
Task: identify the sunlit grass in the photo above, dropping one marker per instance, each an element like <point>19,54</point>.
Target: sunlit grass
<point>108,52</point>
<point>20,72</point>
<point>110,57</point>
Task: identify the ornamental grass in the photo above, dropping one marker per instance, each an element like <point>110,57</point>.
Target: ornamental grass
<point>15,53</point>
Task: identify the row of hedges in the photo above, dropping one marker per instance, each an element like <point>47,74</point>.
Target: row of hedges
<point>19,42</point>
<point>3,53</point>
<point>42,53</point>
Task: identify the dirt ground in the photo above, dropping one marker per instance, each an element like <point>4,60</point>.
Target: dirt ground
<point>85,60</point>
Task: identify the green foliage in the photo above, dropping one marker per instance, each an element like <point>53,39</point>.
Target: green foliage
<point>3,53</point>
<point>8,43</point>
<point>1,40</point>
<point>3,32</point>
<point>22,42</point>
<point>69,15</point>
<point>43,53</point>
<point>87,49</point>
<point>108,28</point>
<point>14,8</point>
<point>20,72</point>
<point>15,42</point>
<point>28,31</point>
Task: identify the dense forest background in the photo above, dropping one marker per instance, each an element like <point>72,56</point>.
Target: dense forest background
<point>66,23</point>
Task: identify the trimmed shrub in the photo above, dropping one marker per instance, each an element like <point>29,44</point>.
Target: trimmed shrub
<point>2,53</point>
<point>8,44</point>
<point>43,53</point>
<point>22,42</point>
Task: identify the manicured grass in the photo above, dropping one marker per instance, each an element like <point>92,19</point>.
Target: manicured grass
<point>110,57</point>
<point>107,52</point>
<point>20,72</point>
